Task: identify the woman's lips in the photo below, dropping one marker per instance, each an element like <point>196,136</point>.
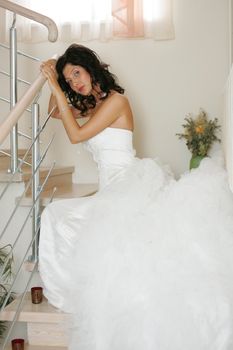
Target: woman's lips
<point>81,89</point>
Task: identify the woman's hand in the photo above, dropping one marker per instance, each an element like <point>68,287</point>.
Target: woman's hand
<point>48,69</point>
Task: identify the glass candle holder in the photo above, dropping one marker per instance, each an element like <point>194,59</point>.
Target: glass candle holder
<point>37,295</point>
<point>17,344</point>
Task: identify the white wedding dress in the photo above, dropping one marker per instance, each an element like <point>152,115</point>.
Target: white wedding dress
<point>147,262</point>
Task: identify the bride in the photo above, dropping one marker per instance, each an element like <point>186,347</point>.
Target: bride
<point>147,262</point>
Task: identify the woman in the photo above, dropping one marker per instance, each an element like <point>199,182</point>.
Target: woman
<point>87,86</point>
<point>146,263</point>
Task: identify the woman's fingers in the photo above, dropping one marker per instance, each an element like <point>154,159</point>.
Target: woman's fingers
<point>48,68</point>
<point>50,62</point>
<point>48,71</point>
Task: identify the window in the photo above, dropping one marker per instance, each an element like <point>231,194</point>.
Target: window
<point>103,19</point>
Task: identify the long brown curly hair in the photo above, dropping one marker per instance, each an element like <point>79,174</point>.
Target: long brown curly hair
<point>99,73</point>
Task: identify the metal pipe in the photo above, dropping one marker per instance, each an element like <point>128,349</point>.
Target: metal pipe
<point>19,159</point>
<point>6,338</point>
<point>14,115</point>
<point>35,178</point>
<point>13,95</point>
<point>21,53</point>
<point>25,221</point>
<point>17,273</point>
<point>20,133</point>
<point>26,188</point>
<point>26,154</point>
<point>4,99</point>
<point>18,79</point>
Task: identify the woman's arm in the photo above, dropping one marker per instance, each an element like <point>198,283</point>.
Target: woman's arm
<point>109,111</point>
<point>114,107</point>
<point>56,114</point>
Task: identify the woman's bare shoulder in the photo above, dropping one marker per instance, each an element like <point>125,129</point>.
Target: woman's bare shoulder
<point>118,99</point>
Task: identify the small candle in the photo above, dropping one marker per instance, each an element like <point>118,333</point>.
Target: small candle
<point>37,295</point>
<point>17,344</point>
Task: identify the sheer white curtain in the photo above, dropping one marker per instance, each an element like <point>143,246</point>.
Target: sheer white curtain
<point>83,20</point>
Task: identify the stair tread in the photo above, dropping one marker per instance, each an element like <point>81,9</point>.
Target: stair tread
<point>43,313</point>
<point>57,170</point>
<point>72,191</point>
<point>41,347</point>
<point>21,152</point>
<point>26,174</point>
<point>64,192</point>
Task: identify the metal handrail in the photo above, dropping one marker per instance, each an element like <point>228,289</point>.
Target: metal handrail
<point>33,15</point>
<point>17,109</point>
<point>20,107</point>
<point>26,188</point>
<point>27,153</point>
<point>25,221</point>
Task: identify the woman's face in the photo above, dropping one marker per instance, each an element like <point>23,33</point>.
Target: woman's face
<point>78,79</point>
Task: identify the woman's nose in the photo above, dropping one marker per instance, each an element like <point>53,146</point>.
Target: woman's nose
<point>75,81</point>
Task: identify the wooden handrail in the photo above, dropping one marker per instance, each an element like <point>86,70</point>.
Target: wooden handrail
<point>35,16</point>
<point>20,107</point>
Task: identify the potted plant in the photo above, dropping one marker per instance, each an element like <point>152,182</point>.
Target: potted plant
<point>199,133</point>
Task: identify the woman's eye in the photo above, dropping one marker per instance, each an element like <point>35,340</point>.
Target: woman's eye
<point>76,73</point>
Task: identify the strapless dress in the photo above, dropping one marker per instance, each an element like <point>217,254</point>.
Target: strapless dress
<point>146,263</point>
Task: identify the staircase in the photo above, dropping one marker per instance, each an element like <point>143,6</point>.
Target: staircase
<point>60,178</point>
<point>19,226</point>
<point>46,325</point>
<point>38,347</point>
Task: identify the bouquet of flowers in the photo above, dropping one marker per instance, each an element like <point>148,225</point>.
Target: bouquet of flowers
<point>199,133</point>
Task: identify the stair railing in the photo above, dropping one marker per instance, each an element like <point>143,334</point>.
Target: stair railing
<point>9,127</point>
<point>52,36</point>
<point>33,15</point>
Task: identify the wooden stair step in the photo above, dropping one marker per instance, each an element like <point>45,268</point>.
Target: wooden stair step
<point>40,347</point>
<point>5,160</point>
<point>58,175</point>
<point>57,170</point>
<point>46,325</point>
<point>21,152</point>
<point>64,192</point>
<point>50,334</point>
<point>43,313</point>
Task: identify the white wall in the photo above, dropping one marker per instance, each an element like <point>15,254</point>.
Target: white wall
<point>164,81</point>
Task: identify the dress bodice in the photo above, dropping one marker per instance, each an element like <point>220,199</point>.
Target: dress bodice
<point>112,150</point>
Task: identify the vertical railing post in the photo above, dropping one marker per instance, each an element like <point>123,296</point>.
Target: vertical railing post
<point>35,179</point>
<point>13,95</point>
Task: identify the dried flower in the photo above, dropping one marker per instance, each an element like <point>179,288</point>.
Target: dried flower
<point>200,133</point>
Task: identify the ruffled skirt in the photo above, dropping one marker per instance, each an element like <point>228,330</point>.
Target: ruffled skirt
<point>146,263</point>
